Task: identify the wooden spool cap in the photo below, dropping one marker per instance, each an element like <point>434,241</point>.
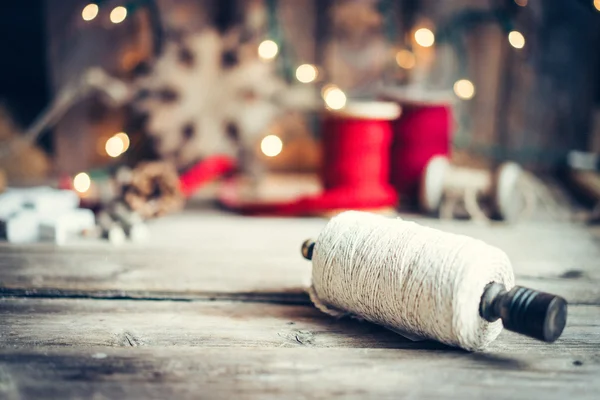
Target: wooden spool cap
<point>411,96</point>
<point>367,110</point>
<point>508,199</point>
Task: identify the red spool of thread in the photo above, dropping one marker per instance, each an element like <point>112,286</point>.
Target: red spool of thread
<point>355,168</point>
<point>423,131</point>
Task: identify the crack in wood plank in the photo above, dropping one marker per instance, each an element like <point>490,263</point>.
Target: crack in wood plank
<point>298,297</point>
<point>128,338</point>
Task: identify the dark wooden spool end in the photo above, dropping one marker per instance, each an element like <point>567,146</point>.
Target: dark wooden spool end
<point>526,311</point>
<point>539,315</point>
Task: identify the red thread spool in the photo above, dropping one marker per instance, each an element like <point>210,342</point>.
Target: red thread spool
<point>356,160</point>
<point>355,169</point>
<point>423,131</point>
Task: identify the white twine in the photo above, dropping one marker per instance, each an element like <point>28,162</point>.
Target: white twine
<point>418,281</point>
<point>460,179</point>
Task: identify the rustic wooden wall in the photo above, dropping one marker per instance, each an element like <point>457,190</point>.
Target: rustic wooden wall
<point>535,104</point>
<point>552,97</point>
<point>531,105</point>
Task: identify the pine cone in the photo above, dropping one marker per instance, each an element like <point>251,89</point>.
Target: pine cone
<point>153,190</point>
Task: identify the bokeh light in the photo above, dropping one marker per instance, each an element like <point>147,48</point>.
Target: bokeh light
<point>521,3</point>
<point>271,145</point>
<point>424,37</point>
<point>597,4</point>
<point>406,59</point>
<point>516,39</point>
<point>125,139</point>
<point>306,73</point>
<point>325,89</point>
<point>114,146</point>
<point>82,182</point>
<point>464,89</point>
<point>89,12</point>
<point>335,98</point>
<point>267,50</point>
<point>118,15</point>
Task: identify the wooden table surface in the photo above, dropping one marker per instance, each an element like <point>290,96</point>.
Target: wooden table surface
<point>213,306</point>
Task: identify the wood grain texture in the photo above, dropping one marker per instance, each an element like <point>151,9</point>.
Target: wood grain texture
<point>213,307</point>
<point>141,349</point>
<point>199,255</point>
<point>61,349</point>
<point>32,323</point>
<point>294,373</point>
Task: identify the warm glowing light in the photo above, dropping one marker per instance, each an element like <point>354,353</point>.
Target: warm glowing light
<point>335,98</point>
<point>306,73</point>
<point>82,182</point>
<point>405,59</point>
<point>118,15</point>
<point>271,146</point>
<point>424,37</point>
<point>521,3</point>
<point>516,39</point>
<point>125,139</point>
<point>267,50</point>
<point>597,4</point>
<point>89,12</point>
<point>464,89</point>
<point>326,89</point>
<point>114,146</point>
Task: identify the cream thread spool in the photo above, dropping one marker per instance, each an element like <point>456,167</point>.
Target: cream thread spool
<point>443,186</point>
<point>424,283</point>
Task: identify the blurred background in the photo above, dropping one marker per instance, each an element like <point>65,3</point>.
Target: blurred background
<point>87,87</point>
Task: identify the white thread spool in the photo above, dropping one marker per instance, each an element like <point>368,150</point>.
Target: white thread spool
<point>425,283</point>
<point>441,179</point>
<point>417,281</point>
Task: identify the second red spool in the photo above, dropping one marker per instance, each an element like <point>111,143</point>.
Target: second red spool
<point>423,131</point>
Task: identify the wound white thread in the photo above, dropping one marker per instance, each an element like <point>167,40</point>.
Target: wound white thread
<point>407,277</point>
<point>445,186</point>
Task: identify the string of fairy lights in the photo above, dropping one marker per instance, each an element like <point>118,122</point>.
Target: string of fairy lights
<point>117,144</point>
<point>114,147</point>
<point>333,96</point>
<point>117,14</point>
<point>424,37</point>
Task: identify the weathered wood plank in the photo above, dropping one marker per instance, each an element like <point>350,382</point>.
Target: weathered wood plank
<point>197,254</point>
<point>29,323</point>
<point>294,373</point>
